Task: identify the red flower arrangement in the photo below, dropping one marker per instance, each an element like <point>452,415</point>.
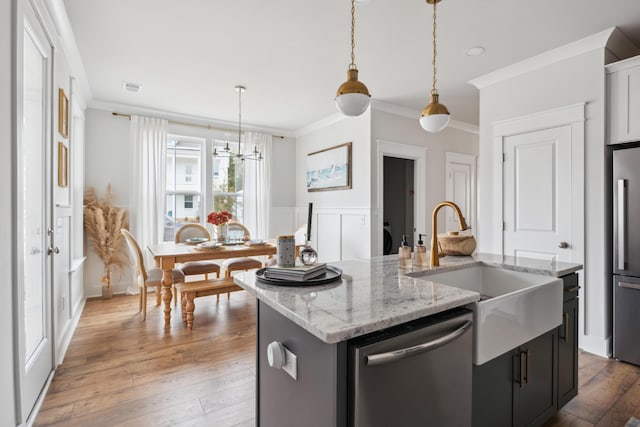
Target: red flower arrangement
<point>219,218</point>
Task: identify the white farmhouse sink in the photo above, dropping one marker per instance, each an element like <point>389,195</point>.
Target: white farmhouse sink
<point>515,307</point>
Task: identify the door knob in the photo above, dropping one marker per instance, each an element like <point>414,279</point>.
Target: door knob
<point>563,245</point>
<point>54,250</point>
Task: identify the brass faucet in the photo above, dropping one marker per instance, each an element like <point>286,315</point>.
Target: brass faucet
<point>435,256</point>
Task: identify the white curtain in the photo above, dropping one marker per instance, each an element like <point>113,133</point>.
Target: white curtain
<point>257,186</point>
<point>147,139</point>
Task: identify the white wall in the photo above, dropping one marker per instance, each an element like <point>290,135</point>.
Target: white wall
<point>283,187</point>
<point>400,129</point>
<point>106,159</point>
<point>578,79</point>
<point>7,243</point>
<point>347,129</point>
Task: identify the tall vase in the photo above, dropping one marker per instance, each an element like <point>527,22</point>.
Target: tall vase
<point>222,233</point>
<point>107,292</point>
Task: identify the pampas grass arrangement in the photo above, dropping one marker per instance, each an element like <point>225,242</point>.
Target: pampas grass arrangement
<point>102,224</point>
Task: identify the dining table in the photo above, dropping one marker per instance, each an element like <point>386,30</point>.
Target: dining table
<point>167,255</point>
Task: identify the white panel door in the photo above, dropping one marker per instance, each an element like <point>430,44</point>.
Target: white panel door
<point>460,188</point>
<point>34,215</point>
<point>537,194</point>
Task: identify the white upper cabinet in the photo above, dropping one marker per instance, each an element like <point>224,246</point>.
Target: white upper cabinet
<point>623,89</point>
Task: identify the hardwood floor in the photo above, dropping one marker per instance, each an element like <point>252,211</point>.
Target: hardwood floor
<point>120,370</point>
<point>608,395</point>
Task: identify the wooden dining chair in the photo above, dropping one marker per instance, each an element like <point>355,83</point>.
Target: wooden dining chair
<point>151,278</point>
<point>243,263</point>
<point>192,268</point>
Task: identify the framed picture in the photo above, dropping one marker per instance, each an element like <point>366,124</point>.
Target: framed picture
<point>329,169</point>
<point>63,113</point>
<point>63,165</point>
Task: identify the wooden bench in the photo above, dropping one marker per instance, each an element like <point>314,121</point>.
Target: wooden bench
<point>201,288</point>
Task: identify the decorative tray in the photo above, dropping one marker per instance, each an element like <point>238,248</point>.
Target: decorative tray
<point>333,274</point>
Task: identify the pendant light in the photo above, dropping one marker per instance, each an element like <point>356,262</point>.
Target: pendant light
<point>226,151</point>
<point>435,116</point>
<point>352,97</point>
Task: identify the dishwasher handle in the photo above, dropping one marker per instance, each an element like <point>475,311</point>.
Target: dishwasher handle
<point>392,356</point>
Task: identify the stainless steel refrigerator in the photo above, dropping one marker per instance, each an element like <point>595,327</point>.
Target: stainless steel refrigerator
<point>626,255</point>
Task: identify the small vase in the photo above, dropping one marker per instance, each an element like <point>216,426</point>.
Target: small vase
<point>222,232</point>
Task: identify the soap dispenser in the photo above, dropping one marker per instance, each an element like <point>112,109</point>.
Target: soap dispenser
<point>404,253</point>
<point>420,253</point>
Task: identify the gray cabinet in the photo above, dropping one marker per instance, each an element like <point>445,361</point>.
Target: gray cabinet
<point>568,343</point>
<point>527,385</point>
<point>534,387</point>
<point>623,93</point>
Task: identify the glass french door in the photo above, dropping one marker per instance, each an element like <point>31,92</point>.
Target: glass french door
<point>34,214</point>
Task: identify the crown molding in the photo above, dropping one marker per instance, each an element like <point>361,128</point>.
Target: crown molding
<point>187,118</point>
<point>587,44</point>
<point>323,123</point>
<point>68,46</point>
<point>398,110</point>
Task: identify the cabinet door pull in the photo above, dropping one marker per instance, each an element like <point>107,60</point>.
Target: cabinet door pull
<point>524,367</point>
<point>565,338</point>
<point>575,288</point>
<point>527,360</point>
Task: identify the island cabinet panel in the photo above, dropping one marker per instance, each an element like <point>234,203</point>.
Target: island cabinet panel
<point>318,397</point>
<point>568,343</point>
<point>527,385</point>
<point>492,392</point>
<point>534,390</point>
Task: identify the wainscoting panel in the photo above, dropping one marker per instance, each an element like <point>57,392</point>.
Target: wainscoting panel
<point>355,240</point>
<point>328,237</point>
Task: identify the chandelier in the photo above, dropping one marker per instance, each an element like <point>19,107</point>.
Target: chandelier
<point>226,151</point>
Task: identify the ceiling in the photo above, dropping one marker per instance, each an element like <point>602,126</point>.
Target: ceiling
<point>293,54</point>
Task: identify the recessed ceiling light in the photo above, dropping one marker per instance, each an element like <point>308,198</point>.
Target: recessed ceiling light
<point>131,87</point>
<point>475,51</point>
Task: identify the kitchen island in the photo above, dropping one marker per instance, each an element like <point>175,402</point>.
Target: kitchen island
<point>315,326</point>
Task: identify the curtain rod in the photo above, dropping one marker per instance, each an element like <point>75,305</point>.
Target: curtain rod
<point>209,127</point>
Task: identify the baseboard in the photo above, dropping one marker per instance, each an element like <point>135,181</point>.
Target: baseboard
<point>595,345</point>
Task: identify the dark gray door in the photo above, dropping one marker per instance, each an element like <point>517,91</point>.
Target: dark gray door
<point>626,205</point>
<point>626,318</point>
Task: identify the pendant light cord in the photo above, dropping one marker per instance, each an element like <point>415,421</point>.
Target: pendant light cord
<point>353,37</point>
<point>433,87</point>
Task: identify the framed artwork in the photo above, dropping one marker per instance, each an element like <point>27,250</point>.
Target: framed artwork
<point>63,165</point>
<point>63,113</point>
<point>329,169</point>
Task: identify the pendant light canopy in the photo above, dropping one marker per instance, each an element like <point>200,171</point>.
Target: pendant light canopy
<point>435,116</point>
<point>352,97</point>
<point>226,151</point>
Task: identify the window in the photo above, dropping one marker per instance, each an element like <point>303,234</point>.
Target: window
<point>198,183</point>
<point>227,186</point>
<point>188,201</point>
<point>183,195</point>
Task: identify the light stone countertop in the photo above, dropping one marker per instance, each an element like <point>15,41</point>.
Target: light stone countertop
<point>375,294</point>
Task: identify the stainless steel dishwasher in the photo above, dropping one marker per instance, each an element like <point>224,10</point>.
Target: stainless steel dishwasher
<point>416,374</point>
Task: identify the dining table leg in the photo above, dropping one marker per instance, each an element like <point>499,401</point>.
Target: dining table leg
<point>167,282</point>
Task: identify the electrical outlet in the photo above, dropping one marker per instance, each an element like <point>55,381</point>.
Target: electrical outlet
<point>290,364</point>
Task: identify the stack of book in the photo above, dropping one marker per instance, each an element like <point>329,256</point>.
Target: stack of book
<point>298,273</point>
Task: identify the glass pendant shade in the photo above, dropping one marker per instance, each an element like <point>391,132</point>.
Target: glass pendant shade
<point>352,97</point>
<point>435,116</point>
